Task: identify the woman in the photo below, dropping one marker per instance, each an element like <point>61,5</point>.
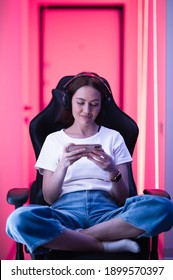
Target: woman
<point>88,191</point>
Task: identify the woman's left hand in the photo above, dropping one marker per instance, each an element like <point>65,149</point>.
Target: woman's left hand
<point>120,189</point>
<point>103,160</point>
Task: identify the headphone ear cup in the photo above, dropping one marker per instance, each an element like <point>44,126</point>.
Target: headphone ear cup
<point>105,102</point>
<point>66,100</point>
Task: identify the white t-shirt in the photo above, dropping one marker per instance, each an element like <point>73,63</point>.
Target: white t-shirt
<point>83,174</point>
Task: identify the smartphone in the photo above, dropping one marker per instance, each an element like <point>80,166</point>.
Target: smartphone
<point>89,147</point>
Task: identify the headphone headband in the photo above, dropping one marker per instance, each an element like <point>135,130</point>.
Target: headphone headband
<point>88,74</point>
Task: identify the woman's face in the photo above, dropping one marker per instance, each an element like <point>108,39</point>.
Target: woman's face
<point>86,105</point>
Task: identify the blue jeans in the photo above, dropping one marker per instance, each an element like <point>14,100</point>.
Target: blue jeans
<point>35,225</point>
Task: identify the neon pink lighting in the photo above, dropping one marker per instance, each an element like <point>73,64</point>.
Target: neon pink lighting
<point>155,75</point>
<point>142,90</point>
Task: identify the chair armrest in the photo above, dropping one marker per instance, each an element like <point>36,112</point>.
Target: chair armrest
<point>157,192</point>
<point>17,196</point>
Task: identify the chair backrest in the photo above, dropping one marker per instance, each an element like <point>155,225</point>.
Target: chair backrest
<point>54,117</point>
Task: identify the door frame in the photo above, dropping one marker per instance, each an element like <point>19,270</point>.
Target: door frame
<point>42,8</point>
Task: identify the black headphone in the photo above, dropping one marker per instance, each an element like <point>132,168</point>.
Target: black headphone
<point>67,97</point>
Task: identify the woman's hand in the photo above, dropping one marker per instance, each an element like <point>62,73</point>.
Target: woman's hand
<point>120,189</point>
<point>68,158</point>
<point>103,160</point>
<point>53,181</point>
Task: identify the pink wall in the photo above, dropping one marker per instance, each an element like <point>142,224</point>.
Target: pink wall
<point>11,117</point>
<point>19,83</point>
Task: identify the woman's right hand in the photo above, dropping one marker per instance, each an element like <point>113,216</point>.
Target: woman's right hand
<point>53,181</point>
<point>68,158</point>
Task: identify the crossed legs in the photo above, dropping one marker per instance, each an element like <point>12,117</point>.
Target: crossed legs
<point>112,236</point>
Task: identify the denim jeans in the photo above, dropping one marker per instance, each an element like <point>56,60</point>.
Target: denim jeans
<point>35,225</point>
